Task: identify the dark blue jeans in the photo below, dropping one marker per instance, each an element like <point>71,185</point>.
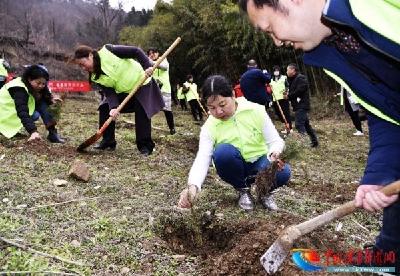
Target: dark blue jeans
<point>303,124</point>
<point>41,111</point>
<point>232,168</point>
<point>383,167</point>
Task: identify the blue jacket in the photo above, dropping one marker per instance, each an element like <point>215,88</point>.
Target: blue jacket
<point>253,83</point>
<point>373,74</point>
<point>378,82</point>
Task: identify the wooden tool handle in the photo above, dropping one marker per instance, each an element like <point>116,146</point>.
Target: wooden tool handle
<point>282,114</point>
<point>202,108</point>
<point>158,62</point>
<point>341,211</point>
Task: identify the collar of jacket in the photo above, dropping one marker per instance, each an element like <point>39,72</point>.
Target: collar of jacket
<point>339,13</point>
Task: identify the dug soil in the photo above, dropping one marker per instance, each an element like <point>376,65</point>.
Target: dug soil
<point>228,248</point>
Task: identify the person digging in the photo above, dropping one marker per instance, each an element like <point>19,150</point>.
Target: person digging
<point>241,140</point>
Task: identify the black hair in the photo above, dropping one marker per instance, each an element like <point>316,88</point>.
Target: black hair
<point>189,77</point>
<point>216,85</point>
<point>83,51</point>
<point>294,66</point>
<point>276,68</point>
<point>152,49</point>
<point>34,72</point>
<point>259,4</point>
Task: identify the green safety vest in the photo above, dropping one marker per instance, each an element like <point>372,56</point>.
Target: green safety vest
<point>244,130</point>
<point>163,77</point>
<point>120,74</point>
<point>10,123</point>
<point>192,93</point>
<point>3,70</point>
<point>179,94</point>
<point>278,88</point>
<point>382,16</point>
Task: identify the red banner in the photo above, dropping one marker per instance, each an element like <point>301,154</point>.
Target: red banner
<point>69,86</point>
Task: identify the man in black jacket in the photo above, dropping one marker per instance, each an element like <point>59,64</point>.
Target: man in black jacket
<point>299,97</point>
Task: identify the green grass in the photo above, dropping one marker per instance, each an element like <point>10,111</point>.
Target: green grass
<point>116,230</point>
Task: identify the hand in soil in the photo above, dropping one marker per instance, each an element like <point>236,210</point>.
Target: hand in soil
<point>187,197</point>
<point>34,136</point>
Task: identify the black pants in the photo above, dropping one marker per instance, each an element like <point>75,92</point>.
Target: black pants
<point>196,109</point>
<point>169,116</point>
<point>303,125</point>
<point>284,104</point>
<point>142,123</point>
<point>182,102</point>
<point>353,114</point>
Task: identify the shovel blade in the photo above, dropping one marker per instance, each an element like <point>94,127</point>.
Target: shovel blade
<point>274,257</point>
<point>89,142</point>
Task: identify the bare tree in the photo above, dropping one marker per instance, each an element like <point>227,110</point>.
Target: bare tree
<point>108,17</point>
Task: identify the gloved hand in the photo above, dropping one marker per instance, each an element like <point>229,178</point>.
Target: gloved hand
<point>188,196</point>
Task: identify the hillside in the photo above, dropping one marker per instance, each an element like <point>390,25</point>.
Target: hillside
<point>47,31</point>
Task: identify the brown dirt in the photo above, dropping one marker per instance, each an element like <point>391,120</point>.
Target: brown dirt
<point>53,152</point>
<point>235,248</point>
<point>186,143</point>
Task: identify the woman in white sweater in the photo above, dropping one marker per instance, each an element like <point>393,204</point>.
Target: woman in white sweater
<point>241,140</point>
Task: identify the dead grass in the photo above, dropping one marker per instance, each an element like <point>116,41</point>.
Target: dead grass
<point>116,231</point>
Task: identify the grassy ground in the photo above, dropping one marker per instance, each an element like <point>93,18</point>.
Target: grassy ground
<point>123,222</point>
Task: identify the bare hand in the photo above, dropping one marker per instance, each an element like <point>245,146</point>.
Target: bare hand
<point>114,113</point>
<point>187,197</point>
<point>55,99</point>
<point>274,156</point>
<point>370,198</point>
<point>34,136</point>
<point>148,72</point>
<point>285,95</point>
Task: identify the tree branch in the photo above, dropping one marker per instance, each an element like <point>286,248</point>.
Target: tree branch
<point>24,247</point>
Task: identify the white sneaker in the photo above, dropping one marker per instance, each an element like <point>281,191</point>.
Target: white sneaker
<point>286,132</point>
<point>269,203</point>
<point>245,199</point>
<point>358,133</point>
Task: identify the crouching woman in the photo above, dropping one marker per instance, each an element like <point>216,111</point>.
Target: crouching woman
<point>240,139</point>
<point>23,101</point>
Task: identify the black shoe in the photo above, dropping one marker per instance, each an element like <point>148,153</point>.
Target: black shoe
<point>314,144</point>
<point>106,145</point>
<point>53,137</point>
<point>172,131</point>
<point>145,151</point>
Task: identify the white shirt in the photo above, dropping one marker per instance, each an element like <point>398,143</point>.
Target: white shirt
<point>199,169</point>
